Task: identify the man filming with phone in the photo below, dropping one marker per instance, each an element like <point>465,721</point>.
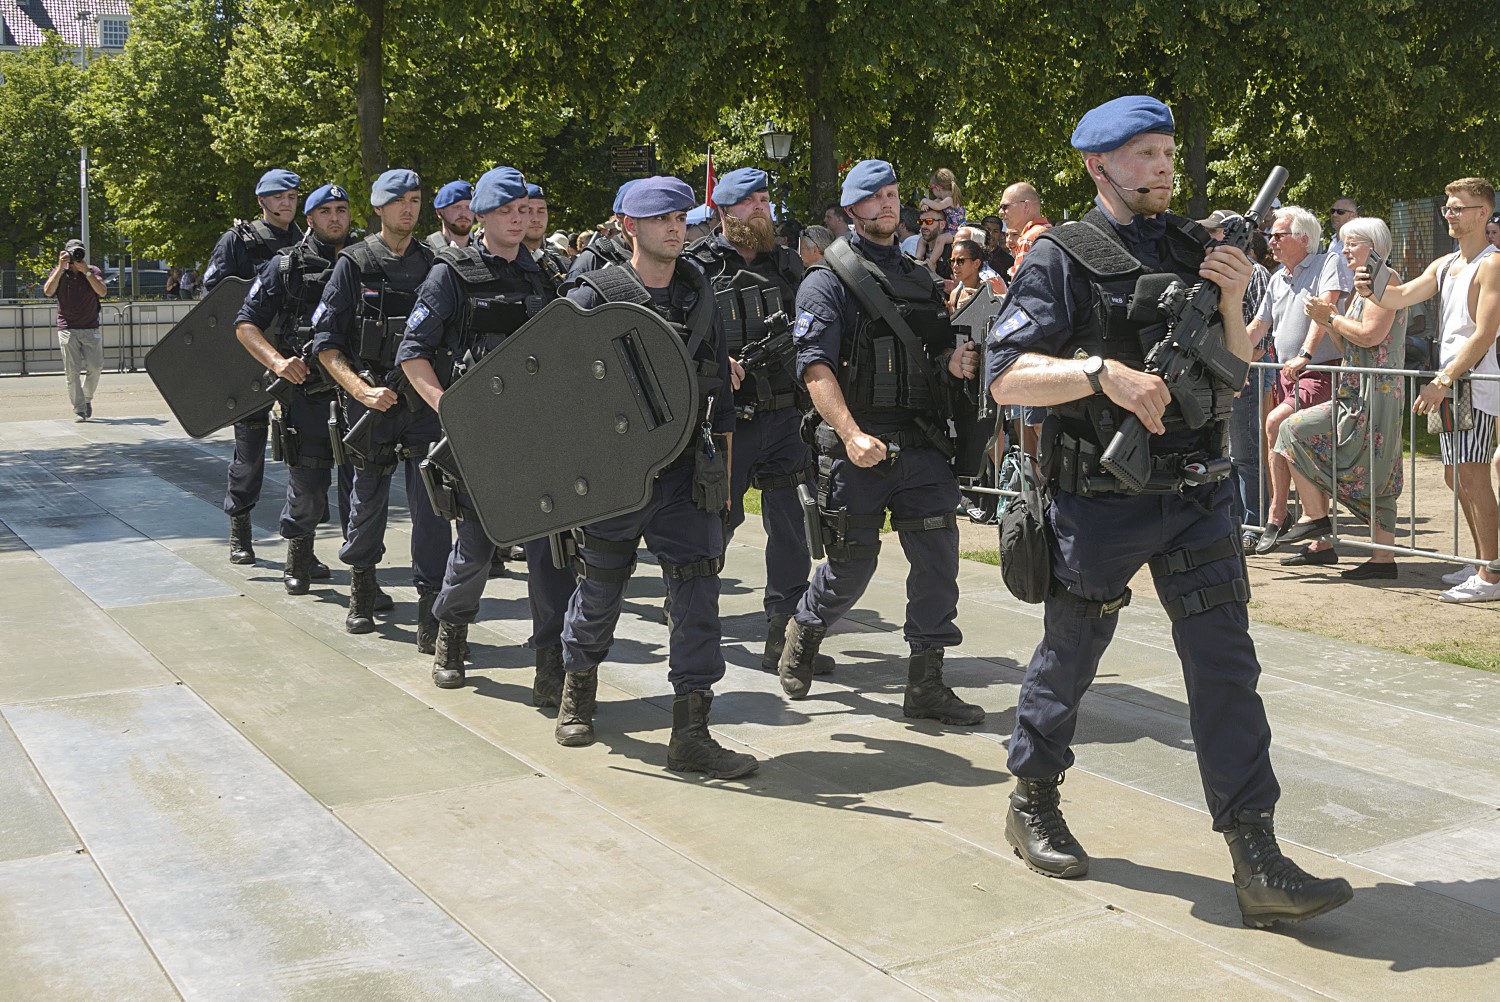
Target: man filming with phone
<point>78,286</point>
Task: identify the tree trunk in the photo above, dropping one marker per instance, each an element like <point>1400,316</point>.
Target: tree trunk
<point>370,90</point>
<point>1197,158</point>
<point>823,166</point>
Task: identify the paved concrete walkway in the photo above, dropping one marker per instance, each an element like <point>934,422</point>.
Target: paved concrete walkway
<point>211,792</point>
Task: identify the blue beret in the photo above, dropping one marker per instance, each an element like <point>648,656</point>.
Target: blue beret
<point>701,214</point>
<point>453,191</point>
<point>322,196</point>
<point>620,194</point>
<point>1115,123</point>
<point>274,182</point>
<point>738,185</point>
<point>497,187</point>
<point>656,196</point>
<point>392,185</point>
<point>865,179</point>
<point>535,191</point>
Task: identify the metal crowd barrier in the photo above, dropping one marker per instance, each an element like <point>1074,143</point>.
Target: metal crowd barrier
<point>28,334</point>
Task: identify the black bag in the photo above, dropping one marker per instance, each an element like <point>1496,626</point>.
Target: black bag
<point>710,478</point>
<point>1026,540</point>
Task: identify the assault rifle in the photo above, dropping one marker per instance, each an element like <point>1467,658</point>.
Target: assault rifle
<point>359,443</point>
<point>1192,358</point>
<point>776,348</point>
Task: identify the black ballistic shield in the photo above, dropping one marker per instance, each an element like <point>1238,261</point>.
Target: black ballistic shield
<point>203,372</point>
<point>570,419</point>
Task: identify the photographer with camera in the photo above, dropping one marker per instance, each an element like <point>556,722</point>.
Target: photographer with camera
<point>78,286</point>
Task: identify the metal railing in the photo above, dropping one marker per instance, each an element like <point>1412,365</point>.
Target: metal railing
<point>28,334</point>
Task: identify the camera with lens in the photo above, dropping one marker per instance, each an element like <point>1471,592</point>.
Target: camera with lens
<point>77,253</point>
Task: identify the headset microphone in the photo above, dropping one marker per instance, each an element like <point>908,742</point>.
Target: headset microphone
<point>1138,191</point>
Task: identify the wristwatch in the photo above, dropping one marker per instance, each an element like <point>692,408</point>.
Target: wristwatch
<point>1304,353</point>
<point>1092,367</point>
<point>1443,379</point>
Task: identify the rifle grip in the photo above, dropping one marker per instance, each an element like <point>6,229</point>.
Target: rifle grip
<point>1128,457</point>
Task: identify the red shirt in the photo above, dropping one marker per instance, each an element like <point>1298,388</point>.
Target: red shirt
<point>77,302</point>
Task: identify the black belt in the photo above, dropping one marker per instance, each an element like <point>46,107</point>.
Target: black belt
<point>1076,470</point>
<point>829,444</point>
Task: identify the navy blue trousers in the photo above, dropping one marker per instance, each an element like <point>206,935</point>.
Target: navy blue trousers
<point>548,588</point>
<point>308,477</point>
<point>770,445</point>
<point>918,484</point>
<point>1101,543</point>
<point>247,470</point>
<point>370,498</point>
<point>677,532</point>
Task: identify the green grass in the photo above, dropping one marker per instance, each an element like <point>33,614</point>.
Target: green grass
<point>752,501</point>
<point>991,557</point>
<point>1460,652</point>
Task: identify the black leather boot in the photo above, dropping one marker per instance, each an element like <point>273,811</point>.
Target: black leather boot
<point>693,748</point>
<point>427,624</point>
<point>798,658</point>
<point>448,660</point>
<point>296,576</point>
<point>383,602</point>
<point>927,696</point>
<point>575,714</point>
<point>241,547</point>
<point>1036,830</point>
<point>546,689</point>
<point>361,618</point>
<point>776,643</point>
<point>320,571</point>
<point>1269,886</point>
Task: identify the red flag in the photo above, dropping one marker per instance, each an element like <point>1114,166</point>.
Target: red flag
<point>708,186</point>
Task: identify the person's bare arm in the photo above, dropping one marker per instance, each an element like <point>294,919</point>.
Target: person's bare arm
<point>293,370</point>
<point>54,279</point>
<point>828,398</point>
<point>1043,381</point>
<point>1418,290</point>
<point>421,375</point>
<point>95,282</point>
<point>334,363</point>
<point>1374,328</point>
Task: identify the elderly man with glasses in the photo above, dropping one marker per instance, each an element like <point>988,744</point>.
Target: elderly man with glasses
<point>1022,208</point>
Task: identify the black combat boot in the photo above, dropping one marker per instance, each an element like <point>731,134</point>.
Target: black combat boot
<point>320,571</point>
<point>296,575</point>
<point>798,658</point>
<point>241,548</point>
<point>448,661</point>
<point>776,643</point>
<point>1270,887</point>
<point>575,714</point>
<point>497,564</point>
<point>693,749</point>
<point>1036,829</point>
<point>546,689</point>
<point>927,696</point>
<point>427,624</point>
<point>383,602</point>
<point>362,588</point>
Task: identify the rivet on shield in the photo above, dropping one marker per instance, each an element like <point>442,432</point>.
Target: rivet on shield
<point>532,364</point>
<point>547,503</point>
<point>497,385</point>
<point>581,486</point>
<point>212,320</point>
<point>231,403</point>
<point>597,369</point>
<point>187,339</point>
<point>255,386</point>
<point>622,424</point>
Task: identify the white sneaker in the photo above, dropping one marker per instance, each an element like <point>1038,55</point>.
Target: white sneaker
<point>1476,589</point>
<point>1459,576</point>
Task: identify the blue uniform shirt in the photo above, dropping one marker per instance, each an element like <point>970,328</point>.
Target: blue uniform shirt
<point>442,295</point>
<point>268,293</point>
<point>332,319</point>
<point>231,257</point>
<point>723,416</point>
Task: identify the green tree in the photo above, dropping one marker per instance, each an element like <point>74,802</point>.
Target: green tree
<point>149,124</point>
<point>40,88</point>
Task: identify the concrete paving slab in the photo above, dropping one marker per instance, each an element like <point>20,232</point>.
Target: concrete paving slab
<point>58,643</point>
<point>64,936</point>
<point>346,735</point>
<point>31,824</point>
<point>176,809</point>
<point>10,544</point>
<point>30,492</point>
<point>631,916</point>
<point>154,508</point>
<point>1462,862</point>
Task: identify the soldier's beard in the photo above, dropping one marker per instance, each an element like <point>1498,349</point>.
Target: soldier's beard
<point>754,234</point>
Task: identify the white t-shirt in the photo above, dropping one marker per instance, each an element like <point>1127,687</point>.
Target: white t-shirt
<point>1457,326</point>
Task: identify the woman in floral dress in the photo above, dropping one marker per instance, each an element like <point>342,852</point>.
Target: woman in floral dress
<point>1358,432</point>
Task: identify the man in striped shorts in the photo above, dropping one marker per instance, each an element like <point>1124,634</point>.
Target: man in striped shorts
<point>1467,283</point>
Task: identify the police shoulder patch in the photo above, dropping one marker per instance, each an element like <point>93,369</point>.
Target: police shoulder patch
<point>319,313</point>
<point>255,288</point>
<point>1016,319</point>
<point>804,322</point>
<point>419,313</point>
<point>210,272</point>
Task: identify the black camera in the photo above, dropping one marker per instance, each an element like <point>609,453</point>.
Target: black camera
<point>77,253</point>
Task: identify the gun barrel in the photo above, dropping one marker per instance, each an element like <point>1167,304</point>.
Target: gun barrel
<point>1268,192</point>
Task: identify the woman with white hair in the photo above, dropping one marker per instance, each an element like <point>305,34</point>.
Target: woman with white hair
<point>1358,432</point>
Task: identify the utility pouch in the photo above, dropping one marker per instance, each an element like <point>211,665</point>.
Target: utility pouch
<point>278,449</point>
<point>1026,540</point>
<point>710,477</point>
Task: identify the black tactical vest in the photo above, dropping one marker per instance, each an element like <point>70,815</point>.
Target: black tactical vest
<point>1122,322</point>
<point>388,291</point>
<point>747,295</point>
<point>498,299</point>
<point>691,314</point>
<point>879,378</point>
<point>304,274</point>
<point>262,241</point>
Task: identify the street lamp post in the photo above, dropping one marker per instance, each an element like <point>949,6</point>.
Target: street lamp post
<point>778,146</point>
<point>84,18</point>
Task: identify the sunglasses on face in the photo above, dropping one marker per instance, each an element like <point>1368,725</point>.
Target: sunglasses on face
<point>929,220</point>
<point>1340,212</point>
<point>1280,236</point>
<point>962,260</point>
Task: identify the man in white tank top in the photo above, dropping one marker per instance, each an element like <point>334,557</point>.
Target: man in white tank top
<point>1468,282</point>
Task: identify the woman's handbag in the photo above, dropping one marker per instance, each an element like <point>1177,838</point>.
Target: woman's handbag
<point>1456,412</point>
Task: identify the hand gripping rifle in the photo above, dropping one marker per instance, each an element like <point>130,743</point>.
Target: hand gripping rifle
<point>772,350</point>
<point>359,443</point>
<point>1193,356</point>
